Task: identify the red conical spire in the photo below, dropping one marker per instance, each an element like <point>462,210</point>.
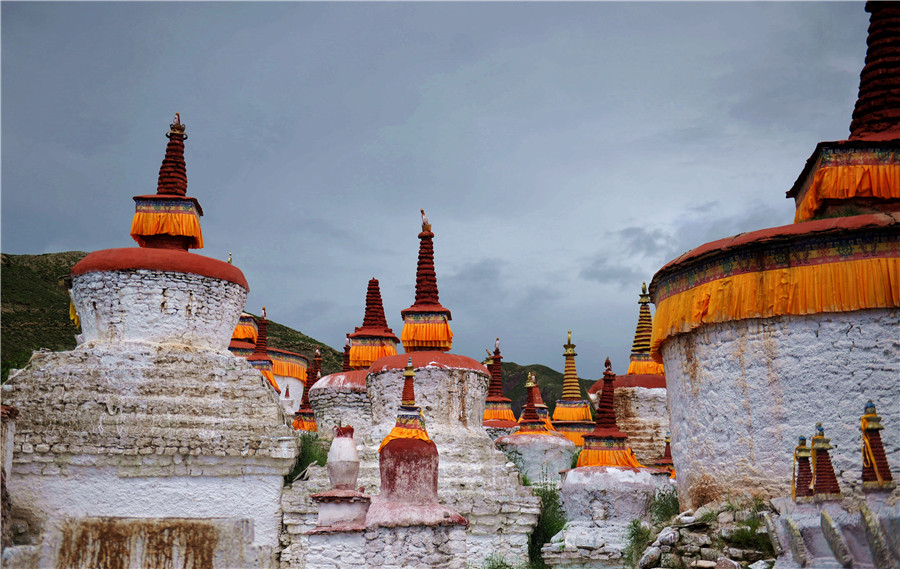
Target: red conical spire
<point>802,484</point>
<point>496,387</point>
<point>875,472</point>
<point>425,323</point>
<point>373,340</point>
<point>877,112</point>
<point>374,317</point>
<point>529,412</point>
<point>605,425</point>
<point>825,484</point>
<point>262,337</point>
<point>408,398</point>
<point>173,172</point>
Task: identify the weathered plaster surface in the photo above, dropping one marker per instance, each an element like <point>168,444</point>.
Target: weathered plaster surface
<point>540,457</point>
<point>740,393</point>
<point>157,307</point>
<point>641,413</point>
<point>600,502</point>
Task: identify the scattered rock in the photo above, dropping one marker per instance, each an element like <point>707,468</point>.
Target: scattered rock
<point>725,563</point>
<point>725,517</point>
<point>703,563</point>
<point>668,536</point>
<point>650,557</point>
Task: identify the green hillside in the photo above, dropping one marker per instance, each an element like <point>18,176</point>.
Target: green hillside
<point>35,313</point>
<point>549,382</point>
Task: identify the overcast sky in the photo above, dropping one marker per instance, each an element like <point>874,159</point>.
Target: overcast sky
<point>563,152</point>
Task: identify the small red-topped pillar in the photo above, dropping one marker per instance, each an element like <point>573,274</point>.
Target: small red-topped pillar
<point>825,484</point>
<point>426,323</point>
<point>666,461</point>
<point>530,423</point>
<point>801,485</point>
<point>497,408</point>
<point>605,445</point>
<point>346,363</point>
<point>169,219</point>
<point>876,474</point>
<point>305,417</point>
<point>373,340</point>
<point>260,359</point>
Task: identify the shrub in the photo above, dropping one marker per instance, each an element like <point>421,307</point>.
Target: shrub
<point>663,506</point>
<point>551,521</point>
<point>311,450</point>
<point>637,538</point>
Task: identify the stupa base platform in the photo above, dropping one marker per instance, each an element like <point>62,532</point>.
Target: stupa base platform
<point>125,432</point>
<point>600,502</point>
<point>425,547</point>
<point>539,457</point>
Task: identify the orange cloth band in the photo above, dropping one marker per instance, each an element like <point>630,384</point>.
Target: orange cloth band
<point>364,356</point>
<point>179,224</point>
<point>608,458</point>
<point>645,368</point>
<point>245,332</point>
<point>501,414</point>
<point>426,335</point>
<point>849,181</point>
<point>807,289</point>
<point>289,369</point>
<point>402,433</point>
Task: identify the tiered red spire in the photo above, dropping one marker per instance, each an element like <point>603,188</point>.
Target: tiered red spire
<point>259,359</point>
<point>877,113</point>
<point>572,415</point>
<point>666,460</point>
<point>497,408</point>
<point>530,423</point>
<point>495,389</point>
<point>305,418</point>
<point>605,445</point>
<point>875,472</point>
<point>169,219</point>
<point>426,321</point>
<point>825,484</point>
<point>373,340</point>
<point>408,398</point>
<point>173,172</point>
<point>605,425</point>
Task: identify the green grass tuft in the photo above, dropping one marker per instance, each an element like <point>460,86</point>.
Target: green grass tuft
<point>311,451</point>
<point>637,537</point>
<point>551,521</point>
<point>663,506</point>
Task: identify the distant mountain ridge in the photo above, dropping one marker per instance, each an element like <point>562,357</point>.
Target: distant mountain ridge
<point>35,314</point>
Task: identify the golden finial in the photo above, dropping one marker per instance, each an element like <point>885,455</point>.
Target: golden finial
<point>426,226</point>
<point>408,372</point>
<point>264,312</point>
<point>229,257</point>
<point>569,346</point>
<point>531,381</point>
<point>608,365</point>
<point>176,127</point>
<point>645,297</point>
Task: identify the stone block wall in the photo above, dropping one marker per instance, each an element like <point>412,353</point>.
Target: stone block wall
<point>157,307</point>
<point>389,548</point>
<point>344,406</point>
<point>740,393</point>
<point>157,431</point>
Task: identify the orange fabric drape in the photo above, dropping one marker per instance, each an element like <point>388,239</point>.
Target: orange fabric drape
<point>645,368</point>
<point>849,181</point>
<point>289,369</point>
<point>426,335</point>
<point>179,224</point>
<point>245,332</point>
<point>577,438</point>
<point>608,458</point>
<point>807,289</point>
<point>366,355</point>
<point>73,314</point>
<point>310,426</point>
<point>580,413</point>
<point>404,433</point>
<point>501,414</point>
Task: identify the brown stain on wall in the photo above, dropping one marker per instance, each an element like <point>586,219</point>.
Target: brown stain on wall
<point>110,543</point>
